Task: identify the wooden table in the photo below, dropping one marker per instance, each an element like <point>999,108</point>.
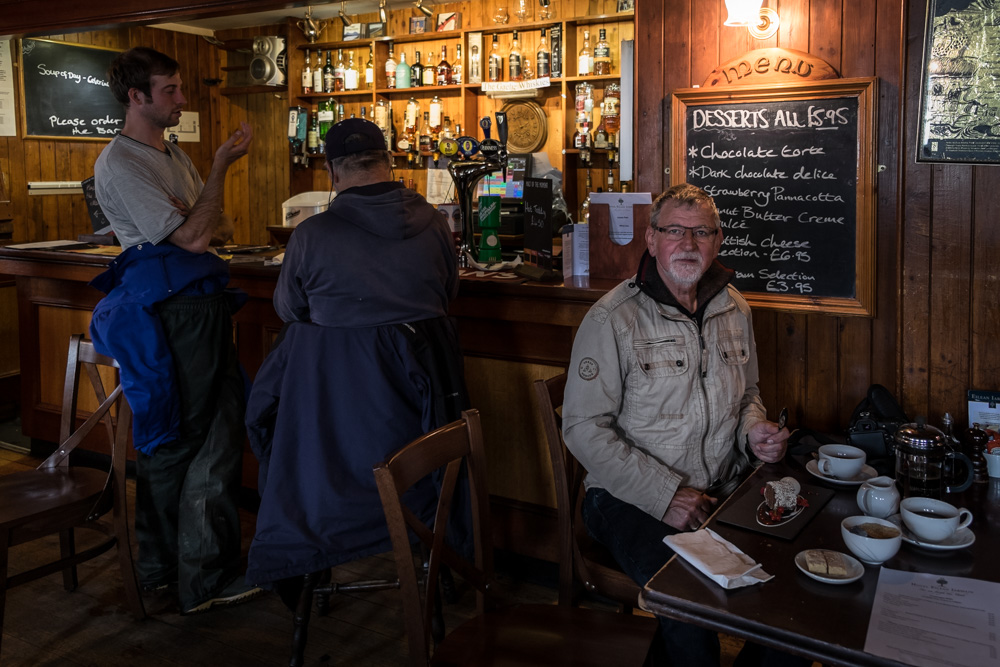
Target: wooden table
<point>827,623</point>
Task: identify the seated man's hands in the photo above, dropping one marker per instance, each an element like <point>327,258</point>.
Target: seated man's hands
<point>768,442</point>
<point>688,509</point>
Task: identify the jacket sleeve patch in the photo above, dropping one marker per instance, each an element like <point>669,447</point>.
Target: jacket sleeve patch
<point>588,368</point>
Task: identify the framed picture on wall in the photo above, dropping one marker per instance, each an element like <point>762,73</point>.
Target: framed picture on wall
<point>418,25</point>
<point>626,5</point>
<point>960,84</point>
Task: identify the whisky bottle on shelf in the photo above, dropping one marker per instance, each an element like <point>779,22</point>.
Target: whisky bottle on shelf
<point>584,214</point>
<point>602,55</point>
<point>456,67</point>
<point>495,72</point>
<point>307,76</point>
<point>402,72</point>
<point>326,109</point>
<point>543,58</point>
<point>585,59</point>
<point>515,64</point>
<point>328,78</point>
<point>444,68</point>
<point>475,64</point>
<point>338,71</point>
<point>390,69</point>
<point>408,137</point>
<point>600,134</point>
<point>436,116</point>
<point>430,73</point>
<point>317,86</point>
<point>446,131</point>
<point>312,137</point>
<point>380,116</point>
<point>416,71</point>
<point>370,70</point>
<point>351,74</point>
<point>391,136</point>
<point>425,134</point>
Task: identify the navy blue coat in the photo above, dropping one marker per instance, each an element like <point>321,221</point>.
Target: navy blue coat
<point>326,406</point>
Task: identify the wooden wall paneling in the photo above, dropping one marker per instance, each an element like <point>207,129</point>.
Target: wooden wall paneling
<point>914,246</point>
<point>652,102</point>
<point>62,203</point>
<point>764,328</point>
<point>949,293</point>
<point>706,27</point>
<point>892,133</point>
<point>791,362</point>
<point>793,33</point>
<point>825,30</point>
<point>858,58</point>
<point>822,372</point>
<point>984,320</point>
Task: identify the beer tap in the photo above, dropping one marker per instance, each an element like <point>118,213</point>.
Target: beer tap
<point>467,172</point>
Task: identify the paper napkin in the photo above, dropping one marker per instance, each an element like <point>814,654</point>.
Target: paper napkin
<point>717,559</point>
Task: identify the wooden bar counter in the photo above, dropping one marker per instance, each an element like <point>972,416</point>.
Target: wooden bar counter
<point>511,334</point>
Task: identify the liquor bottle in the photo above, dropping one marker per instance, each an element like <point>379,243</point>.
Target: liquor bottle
<point>364,113</point>
<point>328,75</point>
<point>425,134</point>
<point>416,71</point>
<point>446,131</point>
<point>317,86</point>
<point>351,74</point>
<point>380,115</point>
<point>585,59</point>
<point>444,68</point>
<point>340,114</point>
<point>496,61</point>
<point>338,72</point>
<point>407,138</point>
<point>602,55</point>
<point>515,65</point>
<point>600,134</point>
<point>612,109</point>
<point>430,73</point>
<point>312,137</point>
<point>307,76</point>
<point>436,116</point>
<point>456,67</point>
<point>370,70</point>
<point>543,58</point>
<point>392,129</point>
<point>402,72</point>
<point>390,69</point>
<point>475,64</point>
<point>326,119</point>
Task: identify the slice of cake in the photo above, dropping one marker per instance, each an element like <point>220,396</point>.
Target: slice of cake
<point>782,494</point>
<point>827,563</point>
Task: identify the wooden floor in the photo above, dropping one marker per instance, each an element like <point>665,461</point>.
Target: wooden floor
<point>46,625</point>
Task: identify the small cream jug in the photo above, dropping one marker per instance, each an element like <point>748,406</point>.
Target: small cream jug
<point>879,497</point>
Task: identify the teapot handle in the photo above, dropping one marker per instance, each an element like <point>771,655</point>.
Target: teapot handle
<point>968,473</point>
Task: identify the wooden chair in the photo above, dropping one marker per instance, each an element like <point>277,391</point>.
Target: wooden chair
<point>56,497</point>
<point>579,555</point>
<point>524,634</point>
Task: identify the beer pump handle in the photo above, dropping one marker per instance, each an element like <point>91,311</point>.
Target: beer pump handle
<point>502,137</point>
<point>485,124</point>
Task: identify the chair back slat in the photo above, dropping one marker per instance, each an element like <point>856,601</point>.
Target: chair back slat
<point>446,447</point>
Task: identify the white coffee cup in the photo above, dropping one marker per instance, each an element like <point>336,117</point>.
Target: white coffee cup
<point>879,497</point>
<point>933,520</point>
<point>840,461</point>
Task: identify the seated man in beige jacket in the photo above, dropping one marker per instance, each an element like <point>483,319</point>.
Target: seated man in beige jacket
<point>662,406</point>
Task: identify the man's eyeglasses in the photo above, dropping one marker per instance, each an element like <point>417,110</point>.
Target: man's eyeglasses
<point>679,232</point>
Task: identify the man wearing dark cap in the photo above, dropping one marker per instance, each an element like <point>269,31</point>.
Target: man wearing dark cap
<point>367,361</point>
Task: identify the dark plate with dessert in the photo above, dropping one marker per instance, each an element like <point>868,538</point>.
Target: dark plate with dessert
<point>780,508</point>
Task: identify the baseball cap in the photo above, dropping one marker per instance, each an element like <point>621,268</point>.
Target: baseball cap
<point>353,135</point>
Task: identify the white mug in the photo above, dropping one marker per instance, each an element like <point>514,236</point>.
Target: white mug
<point>879,497</point>
<point>840,461</point>
<point>933,520</point>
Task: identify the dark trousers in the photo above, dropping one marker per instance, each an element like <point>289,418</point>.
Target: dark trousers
<point>635,539</point>
<point>187,521</point>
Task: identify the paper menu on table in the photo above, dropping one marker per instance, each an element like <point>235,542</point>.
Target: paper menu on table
<point>984,408</point>
<point>931,620</point>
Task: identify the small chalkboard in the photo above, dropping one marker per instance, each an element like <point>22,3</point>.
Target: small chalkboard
<point>537,228</point>
<point>791,170</point>
<point>65,91</point>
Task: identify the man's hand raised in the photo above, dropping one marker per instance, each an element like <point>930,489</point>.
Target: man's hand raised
<point>236,146</point>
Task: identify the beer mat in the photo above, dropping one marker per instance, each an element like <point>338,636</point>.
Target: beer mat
<point>495,276</point>
<point>742,512</point>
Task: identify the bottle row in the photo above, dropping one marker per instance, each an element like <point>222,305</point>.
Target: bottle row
<point>515,63</point>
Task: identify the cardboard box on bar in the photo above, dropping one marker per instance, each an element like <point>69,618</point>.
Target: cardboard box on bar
<point>608,259</point>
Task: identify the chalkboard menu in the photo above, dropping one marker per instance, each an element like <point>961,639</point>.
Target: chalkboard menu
<point>789,169</point>
<point>537,228</point>
<point>66,92</point>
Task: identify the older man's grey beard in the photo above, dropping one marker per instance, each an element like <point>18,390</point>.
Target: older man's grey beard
<point>684,273</point>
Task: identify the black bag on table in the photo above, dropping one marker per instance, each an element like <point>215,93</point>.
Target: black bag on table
<point>873,427</point>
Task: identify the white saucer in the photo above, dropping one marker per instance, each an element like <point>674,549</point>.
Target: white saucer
<point>867,472</point>
<point>854,568</point>
<point>962,538</point>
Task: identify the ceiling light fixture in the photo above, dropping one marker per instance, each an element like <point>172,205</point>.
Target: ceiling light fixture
<point>383,14</point>
<point>345,19</point>
<point>743,12</point>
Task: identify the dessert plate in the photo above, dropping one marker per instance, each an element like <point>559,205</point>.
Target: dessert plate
<point>764,517</point>
<point>867,472</point>
<point>854,568</point>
